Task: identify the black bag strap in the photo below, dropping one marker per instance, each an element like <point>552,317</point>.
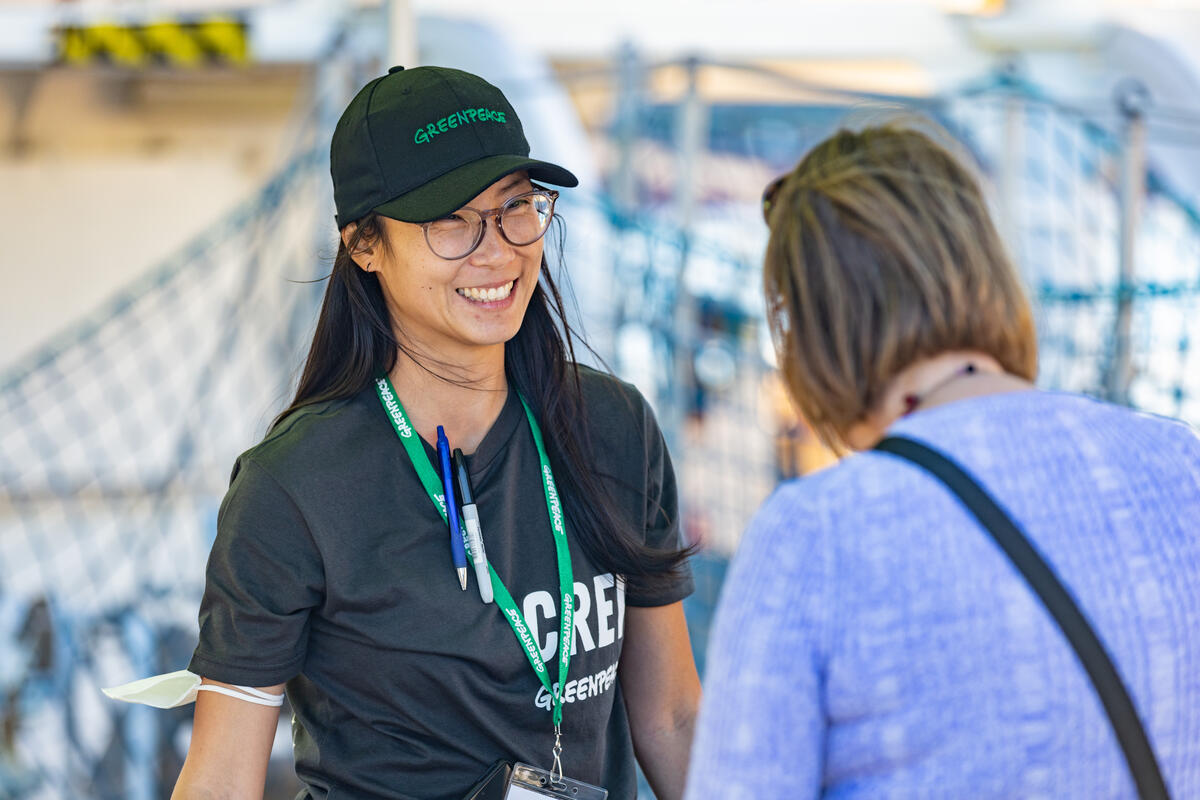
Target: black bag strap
<point>1057,600</point>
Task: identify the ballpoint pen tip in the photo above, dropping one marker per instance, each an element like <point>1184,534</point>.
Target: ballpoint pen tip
<point>462,577</point>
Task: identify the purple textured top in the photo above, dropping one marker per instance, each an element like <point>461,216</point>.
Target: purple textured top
<point>872,641</point>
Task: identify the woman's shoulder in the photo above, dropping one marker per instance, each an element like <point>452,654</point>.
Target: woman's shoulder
<point>617,413</point>
<point>1001,440</point>
<point>867,491</point>
<point>850,487</point>
<point>610,399</point>
<point>603,385</point>
<point>1015,432</point>
<point>322,433</point>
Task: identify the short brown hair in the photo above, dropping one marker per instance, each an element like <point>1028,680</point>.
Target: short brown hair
<point>882,253</point>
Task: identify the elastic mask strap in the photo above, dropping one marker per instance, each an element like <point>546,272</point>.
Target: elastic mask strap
<point>247,693</point>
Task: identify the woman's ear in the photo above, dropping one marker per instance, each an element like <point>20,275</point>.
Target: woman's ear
<point>361,253</point>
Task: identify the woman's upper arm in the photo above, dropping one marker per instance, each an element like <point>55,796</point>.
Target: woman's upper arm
<point>658,672</point>
<point>264,577</point>
<point>761,730</point>
<point>230,746</point>
<point>662,693</point>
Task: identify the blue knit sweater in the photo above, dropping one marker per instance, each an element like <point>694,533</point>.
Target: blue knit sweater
<point>872,641</point>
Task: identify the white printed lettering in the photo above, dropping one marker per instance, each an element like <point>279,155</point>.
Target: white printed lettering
<point>620,606</point>
<point>587,687</point>
<point>604,609</point>
<point>393,408</point>
<point>543,601</point>
<point>582,632</point>
<point>542,700</point>
<point>552,496</point>
<point>526,640</point>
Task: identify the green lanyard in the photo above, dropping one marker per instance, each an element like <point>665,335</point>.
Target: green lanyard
<point>566,577</point>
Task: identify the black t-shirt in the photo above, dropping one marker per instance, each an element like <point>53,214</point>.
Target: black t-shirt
<point>331,572</point>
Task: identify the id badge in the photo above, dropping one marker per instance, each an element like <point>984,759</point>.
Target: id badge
<point>531,783</point>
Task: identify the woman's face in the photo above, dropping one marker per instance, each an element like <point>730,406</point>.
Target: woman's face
<point>437,305</point>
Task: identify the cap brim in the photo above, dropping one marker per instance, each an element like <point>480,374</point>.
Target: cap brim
<point>453,190</point>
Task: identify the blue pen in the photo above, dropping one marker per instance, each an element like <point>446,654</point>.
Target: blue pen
<point>457,552</point>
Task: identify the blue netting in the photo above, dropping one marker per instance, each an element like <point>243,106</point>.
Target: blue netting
<point>115,446</point>
<point>116,440</point>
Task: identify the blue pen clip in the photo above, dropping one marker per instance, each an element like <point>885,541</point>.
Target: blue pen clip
<point>458,553</point>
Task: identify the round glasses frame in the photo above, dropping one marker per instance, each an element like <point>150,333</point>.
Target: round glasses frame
<point>498,213</point>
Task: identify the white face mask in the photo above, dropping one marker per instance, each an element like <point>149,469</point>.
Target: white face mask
<point>179,688</point>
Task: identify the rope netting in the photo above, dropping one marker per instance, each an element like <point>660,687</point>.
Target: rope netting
<point>116,440</point>
<point>115,447</point>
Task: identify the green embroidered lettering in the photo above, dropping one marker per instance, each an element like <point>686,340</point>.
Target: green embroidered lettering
<point>426,133</point>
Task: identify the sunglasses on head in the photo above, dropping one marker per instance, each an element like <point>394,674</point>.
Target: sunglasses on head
<point>768,196</point>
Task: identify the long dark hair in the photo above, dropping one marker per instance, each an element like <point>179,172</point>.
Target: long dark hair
<point>354,342</point>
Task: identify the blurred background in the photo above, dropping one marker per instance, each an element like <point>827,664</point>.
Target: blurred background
<point>165,210</point>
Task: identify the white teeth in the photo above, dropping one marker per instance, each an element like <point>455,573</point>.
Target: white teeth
<point>487,295</point>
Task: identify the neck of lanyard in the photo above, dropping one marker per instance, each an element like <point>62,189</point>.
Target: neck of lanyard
<point>566,577</point>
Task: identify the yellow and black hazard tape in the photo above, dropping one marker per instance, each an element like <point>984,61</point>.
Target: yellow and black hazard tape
<point>203,42</point>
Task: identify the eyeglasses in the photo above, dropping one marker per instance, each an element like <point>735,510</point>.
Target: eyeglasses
<point>521,221</point>
<point>768,195</point>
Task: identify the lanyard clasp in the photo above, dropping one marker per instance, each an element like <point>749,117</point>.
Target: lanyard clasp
<point>556,769</point>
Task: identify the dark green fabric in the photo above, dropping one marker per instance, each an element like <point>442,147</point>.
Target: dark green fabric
<point>331,572</point>
<point>455,189</point>
<point>417,144</point>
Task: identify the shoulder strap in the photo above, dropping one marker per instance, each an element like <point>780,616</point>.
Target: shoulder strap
<point>1057,600</point>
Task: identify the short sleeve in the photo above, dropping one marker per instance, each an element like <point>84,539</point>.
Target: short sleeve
<point>661,515</point>
<point>264,576</point>
<point>762,725</point>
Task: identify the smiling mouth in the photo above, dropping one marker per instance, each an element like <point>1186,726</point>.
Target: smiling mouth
<point>490,295</point>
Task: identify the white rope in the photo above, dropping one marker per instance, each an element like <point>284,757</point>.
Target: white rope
<point>247,693</point>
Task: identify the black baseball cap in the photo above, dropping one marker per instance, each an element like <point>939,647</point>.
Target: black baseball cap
<point>417,144</point>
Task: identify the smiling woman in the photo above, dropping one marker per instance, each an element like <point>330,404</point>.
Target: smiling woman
<point>457,288</point>
<point>331,575</point>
